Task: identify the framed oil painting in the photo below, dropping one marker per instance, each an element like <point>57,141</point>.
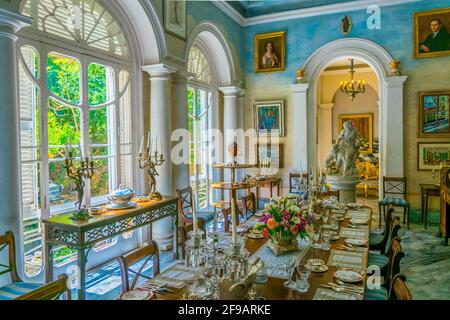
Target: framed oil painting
<point>431,34</point>
<point>364,125</point>
<point>434,114</point>
<point>433,155</point>
<point>270,153</point>
<point>175,17</point>
<point>269,118</point>
<point>270,52</point>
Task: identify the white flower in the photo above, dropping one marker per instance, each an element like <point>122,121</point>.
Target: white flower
<point>296,220</point>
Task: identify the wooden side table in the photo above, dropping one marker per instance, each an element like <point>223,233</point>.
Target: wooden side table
<point>268,183</point>
<point>428,190</point>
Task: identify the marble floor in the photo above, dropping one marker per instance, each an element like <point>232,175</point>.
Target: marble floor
<point>426,264</point>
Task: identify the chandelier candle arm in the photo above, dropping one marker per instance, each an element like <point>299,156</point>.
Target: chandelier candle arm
<point>233,218</point>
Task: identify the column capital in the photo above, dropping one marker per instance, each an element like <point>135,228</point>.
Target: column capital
<point>300,87</point>
<point>182,76</point>
<point>159,71</point>
<point>395,81</point>
<point>11,22</point>
<point>230,91</point>
<point>242,93</point>
<point>326,106</point>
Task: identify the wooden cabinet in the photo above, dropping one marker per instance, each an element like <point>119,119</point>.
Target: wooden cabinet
<point>444,226</point>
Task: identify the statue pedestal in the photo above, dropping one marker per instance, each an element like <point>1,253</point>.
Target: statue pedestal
<point>346,187</point>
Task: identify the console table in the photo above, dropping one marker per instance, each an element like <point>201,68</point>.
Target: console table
<point>83,235</point>
<point>428,190</point>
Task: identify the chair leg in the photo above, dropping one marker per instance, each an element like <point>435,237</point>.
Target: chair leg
<point>404,214</point>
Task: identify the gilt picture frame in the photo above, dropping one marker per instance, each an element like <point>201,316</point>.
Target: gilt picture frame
<point>364,124</point>
<point>270,52</point>
<point>431,155</point>
<point>175,17</point>
<point>434,114</point>
<point>431,33</point>
<point>269,118</point>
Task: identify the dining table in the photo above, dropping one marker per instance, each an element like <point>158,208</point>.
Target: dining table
<point>320,282</point>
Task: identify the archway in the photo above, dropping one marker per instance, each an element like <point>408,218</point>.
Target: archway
<point>391,99</point>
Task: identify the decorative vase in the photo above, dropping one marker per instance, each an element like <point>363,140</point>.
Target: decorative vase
<point>283,245</point>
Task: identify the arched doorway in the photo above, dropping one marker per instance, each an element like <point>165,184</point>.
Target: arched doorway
<point>391,101</point>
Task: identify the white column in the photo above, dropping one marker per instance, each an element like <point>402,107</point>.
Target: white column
<point>10,213</point>
<point>241,137</point>
<point>160,125</point>
<point>392,138</point>
<point>230,116</point>
<point>325,123</point>
<point>180,170</point>
<point>300,130</point>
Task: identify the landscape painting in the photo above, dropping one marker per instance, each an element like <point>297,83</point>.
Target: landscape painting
<point>434,114</point>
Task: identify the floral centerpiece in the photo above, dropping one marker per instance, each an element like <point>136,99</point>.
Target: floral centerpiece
<point>282,221</point>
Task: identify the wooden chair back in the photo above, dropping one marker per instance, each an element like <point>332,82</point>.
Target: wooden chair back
<point>294,180</point>
<point>148,252</point>
<point>399,290</point>
<point>184,231</point>
<point>394,186</point>
<point>185,204</point>
<point>393,267</point>
<point>248,205</point>
<point>7,241</point>
<point>50,291</point>
<point>387,229</point>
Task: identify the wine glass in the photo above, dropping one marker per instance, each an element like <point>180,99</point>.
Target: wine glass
<point>302,282</point>
<point>325,216</point>
<point>289,268</point>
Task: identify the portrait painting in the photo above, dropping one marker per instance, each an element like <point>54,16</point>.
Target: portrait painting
<point>364,124</point>
<point>433,155</point>
<point>175,17</point>
<point>432,36</point>
<point>434,114</point>
<point>270,52</point>
<point>269,118</point>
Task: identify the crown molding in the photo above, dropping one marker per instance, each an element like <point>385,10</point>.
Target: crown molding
<point>306,12</point>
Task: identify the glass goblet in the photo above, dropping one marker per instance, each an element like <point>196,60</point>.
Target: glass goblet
<point>302,283</point>
<point>289,268</point>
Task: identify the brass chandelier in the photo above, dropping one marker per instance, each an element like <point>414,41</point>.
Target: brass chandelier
<point>352,88</point>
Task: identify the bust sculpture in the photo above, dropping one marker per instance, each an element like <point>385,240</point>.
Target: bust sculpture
<point>345,152</point>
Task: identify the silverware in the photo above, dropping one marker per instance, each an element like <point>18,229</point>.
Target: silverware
<point>341,284</point>
<point>341,289</point>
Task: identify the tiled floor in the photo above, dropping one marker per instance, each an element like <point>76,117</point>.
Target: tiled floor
<point>426,264</point>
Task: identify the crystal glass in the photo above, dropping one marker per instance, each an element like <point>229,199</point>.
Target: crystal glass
<point>325,242</point>
<point>333,221</point>
<point>289,268</point>
<point>302,283</point>
<point>325,216</point>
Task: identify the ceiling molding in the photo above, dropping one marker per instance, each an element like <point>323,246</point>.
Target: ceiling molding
<point>306,12</point>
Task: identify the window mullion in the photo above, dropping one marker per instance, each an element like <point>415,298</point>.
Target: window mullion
<point>116,133</point>
<point>45,94</point>
<point>86,145</point>
<point>195,150</point>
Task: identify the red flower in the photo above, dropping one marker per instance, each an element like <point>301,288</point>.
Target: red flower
<point>294,229</point>
<point>264,233</point>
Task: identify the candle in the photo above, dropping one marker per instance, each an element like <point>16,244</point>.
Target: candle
<point>142,145</point>
<point>301,168</point>
<point>148,140</point>
<point>233,220</point>
<point>194,219</point>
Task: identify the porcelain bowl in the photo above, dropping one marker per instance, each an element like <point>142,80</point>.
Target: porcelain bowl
<point>121,197</point>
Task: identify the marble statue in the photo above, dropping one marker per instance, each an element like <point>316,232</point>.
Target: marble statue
<point>345,152</point>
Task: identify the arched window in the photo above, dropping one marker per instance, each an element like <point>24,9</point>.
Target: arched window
<point>200,98</point>
<point>74,89</point>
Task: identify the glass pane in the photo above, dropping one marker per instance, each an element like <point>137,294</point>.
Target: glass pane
<point>63,77</point>
<point>31,58</point>
<point>101,138</point>
<point>63,126</point>
<point>100,84</point>
<point>100,180</point>
<point>125,109</point>
<point>126,170</point>
<point>32,241</point>
<point>28,111</point>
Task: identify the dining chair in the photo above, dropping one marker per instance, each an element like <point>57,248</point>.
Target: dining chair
<point>394,192</point>
<point>17,287</point>
<point>184,231</point>
<point>378,241</point>
<point>381,259</point>
<point>399,289</point>
<point>186,207</point>
<point>248,205</point>
<point>150,251</point>
<point>50,291</point>
<point>393,268</point>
